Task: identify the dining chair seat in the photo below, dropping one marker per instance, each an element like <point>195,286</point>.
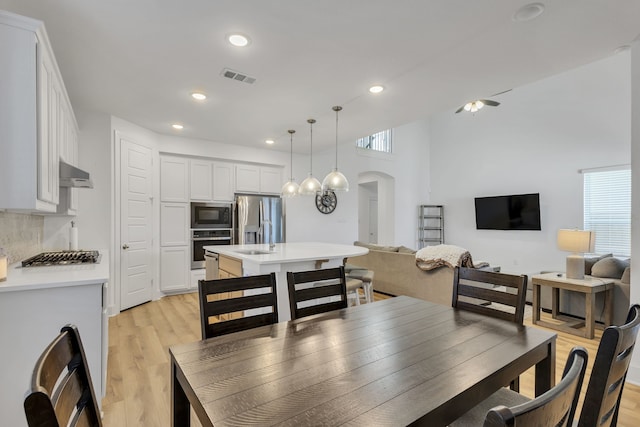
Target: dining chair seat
<point>555,408</point>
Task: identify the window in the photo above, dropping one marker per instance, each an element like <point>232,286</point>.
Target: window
<point>607,209</point>
<point>380,141</point>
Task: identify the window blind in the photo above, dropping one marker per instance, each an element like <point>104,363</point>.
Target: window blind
<point>607,209</point>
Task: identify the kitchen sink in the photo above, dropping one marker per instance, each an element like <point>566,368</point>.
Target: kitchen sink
<point>253,252</point>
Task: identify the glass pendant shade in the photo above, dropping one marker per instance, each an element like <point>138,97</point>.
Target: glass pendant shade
<point>310,186</point>
<point>336,181</point>
<point>290,188</point>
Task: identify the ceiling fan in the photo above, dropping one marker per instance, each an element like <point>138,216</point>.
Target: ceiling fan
<point>474,106</point>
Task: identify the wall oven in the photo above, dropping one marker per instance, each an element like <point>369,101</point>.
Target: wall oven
<point>201,238</point>
<point>211,215</point>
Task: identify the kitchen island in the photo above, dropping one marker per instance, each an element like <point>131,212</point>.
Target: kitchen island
<point>284,257</point>
<point>35,303</point>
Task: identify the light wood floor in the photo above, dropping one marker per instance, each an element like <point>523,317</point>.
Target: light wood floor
<point>138,387</point>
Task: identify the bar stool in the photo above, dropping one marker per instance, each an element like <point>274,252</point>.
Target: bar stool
<point>352,289</point>
<point>355,272</point>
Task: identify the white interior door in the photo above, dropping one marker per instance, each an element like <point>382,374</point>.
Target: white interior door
<point>373,220</point>
<point>135,224</point>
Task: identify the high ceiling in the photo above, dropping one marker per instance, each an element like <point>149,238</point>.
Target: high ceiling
<point>140,59</point>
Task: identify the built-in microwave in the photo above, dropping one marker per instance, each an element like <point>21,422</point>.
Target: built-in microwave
<point>211,215</point>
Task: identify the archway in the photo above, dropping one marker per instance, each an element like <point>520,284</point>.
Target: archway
<point>376,208</point>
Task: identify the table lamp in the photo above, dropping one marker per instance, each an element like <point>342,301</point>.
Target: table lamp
<point>577,242</point>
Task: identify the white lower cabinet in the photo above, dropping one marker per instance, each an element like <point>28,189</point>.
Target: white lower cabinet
<point>196,275</point>
<point>175,266</point>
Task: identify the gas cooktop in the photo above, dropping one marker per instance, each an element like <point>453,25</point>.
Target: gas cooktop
<point>62,258</point>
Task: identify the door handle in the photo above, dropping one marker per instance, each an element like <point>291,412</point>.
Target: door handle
<point>125,246</point>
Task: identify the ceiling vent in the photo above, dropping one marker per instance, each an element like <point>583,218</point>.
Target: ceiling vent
<point>235,75</point>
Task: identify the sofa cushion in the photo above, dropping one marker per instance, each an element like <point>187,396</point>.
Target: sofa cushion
<point>609,267</point>
<point>590,261</point>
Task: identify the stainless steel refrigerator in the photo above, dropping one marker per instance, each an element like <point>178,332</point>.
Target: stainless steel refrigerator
<point>258,219</point>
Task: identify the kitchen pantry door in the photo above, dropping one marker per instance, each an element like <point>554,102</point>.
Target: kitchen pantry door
<point>135,224</point>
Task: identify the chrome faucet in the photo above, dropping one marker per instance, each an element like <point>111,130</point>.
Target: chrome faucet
<point>272,245</point>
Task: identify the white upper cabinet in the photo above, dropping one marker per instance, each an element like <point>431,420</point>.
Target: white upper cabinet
<point>270,179</point>
<point>35,113</point>
<point>174,179</point>
<point>201,182</point>
<point>258,179</point>
<point>248,178</point>
<point>222,182</point>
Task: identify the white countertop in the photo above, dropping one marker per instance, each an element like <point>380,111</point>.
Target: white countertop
<point>31,278</point>
<point>289,252</point>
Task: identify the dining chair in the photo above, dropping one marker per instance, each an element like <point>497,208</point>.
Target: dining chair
<point>61,391</point>
<point>556,407</point>
<point>602,399</point>
<point>492,294</point>
<point>237,303</point>
<point>316,291</point>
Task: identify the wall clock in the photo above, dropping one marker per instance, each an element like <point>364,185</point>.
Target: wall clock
<point>326,201</point>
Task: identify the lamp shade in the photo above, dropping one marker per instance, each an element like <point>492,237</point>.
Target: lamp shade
<point>577,241</point>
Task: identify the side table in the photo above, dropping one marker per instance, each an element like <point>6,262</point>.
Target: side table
<point>589,286</point>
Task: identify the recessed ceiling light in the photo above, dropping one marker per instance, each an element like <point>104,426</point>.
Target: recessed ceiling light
<point>199,96</point>
<point>528,12</point>
<point>177,126</point>
<point>239,40</point>
<point>376,89</point>
<point>269,141</point>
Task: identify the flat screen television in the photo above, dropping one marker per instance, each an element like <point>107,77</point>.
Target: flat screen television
<point>515,212</point>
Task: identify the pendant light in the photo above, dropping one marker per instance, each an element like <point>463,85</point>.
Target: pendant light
<point>310,186</point>
<point>335,180</point>
<point>290,188</point>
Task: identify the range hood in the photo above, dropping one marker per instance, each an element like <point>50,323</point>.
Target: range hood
<point>71,176</point>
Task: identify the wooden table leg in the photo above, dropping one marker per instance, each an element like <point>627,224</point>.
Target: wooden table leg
<point>555,302</point>
<point>535,315</point>
<point>180,408</point>
<point>546,370</point>
<point>608,307</point>
<point>589,319</point>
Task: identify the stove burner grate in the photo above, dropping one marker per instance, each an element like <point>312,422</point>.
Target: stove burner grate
<point>62,258</point>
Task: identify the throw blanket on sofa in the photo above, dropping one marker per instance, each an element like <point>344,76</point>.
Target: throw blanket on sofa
<point>432,257</point>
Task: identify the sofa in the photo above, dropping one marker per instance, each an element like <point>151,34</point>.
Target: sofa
<point>572,303</point>
<point>396,273</point>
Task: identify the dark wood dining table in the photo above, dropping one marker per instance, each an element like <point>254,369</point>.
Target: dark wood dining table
<point>394,362</point>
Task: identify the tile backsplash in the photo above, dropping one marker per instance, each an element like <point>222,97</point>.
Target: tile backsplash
<point>20,235</point>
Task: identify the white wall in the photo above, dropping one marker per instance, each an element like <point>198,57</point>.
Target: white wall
<point>534,142</point>
<point>408,165</point>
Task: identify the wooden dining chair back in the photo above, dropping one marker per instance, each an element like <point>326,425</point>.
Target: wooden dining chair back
<point>555,408</point>
<point>493,294</point>
<point>602,400</point>
<point>316,291</point>
<point>61,389</point>
<point>237,303</point>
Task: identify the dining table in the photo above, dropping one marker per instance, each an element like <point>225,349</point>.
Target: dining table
<point>399,361</point>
